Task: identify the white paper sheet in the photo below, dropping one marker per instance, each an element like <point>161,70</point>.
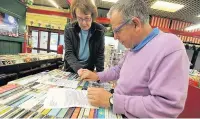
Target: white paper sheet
<point>64,98</point>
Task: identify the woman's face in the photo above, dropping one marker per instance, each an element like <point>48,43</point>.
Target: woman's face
<point>84,20</point>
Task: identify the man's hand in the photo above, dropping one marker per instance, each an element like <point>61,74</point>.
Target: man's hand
<point>87,75</point>
<point>99,97</point>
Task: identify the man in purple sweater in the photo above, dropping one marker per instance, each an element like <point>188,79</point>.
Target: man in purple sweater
<point>152,78</point>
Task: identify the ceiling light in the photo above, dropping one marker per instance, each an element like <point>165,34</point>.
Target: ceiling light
<point>166,6</point>
<point>93,2</point>
<point>54,3</point>
<point>198,16</point>
<point>193,27</point>
<point>110,1</point>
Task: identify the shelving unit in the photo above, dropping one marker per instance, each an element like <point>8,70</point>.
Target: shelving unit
<point>12,72</point>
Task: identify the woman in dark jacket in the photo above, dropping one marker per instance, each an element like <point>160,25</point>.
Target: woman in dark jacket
<point>84,39</point>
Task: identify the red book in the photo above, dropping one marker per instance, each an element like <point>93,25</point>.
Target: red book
<point>7,87</point>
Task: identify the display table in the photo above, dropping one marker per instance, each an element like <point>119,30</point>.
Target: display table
<point>13,97</point>
<point>14,71</point>
<point>24,97</point>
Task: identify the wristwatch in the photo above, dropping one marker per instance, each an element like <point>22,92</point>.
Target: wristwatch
<point>111,102</point>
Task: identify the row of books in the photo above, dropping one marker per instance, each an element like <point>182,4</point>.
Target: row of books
<point>25,57</point>
<point>24,98</point>
<point>112,56</point>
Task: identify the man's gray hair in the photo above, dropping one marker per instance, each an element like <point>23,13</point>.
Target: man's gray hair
<point>131,8</point>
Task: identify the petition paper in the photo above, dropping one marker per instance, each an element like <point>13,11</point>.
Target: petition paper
<point>64,98</point>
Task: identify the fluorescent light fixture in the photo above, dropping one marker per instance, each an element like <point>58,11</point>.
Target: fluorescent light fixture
<point>53,3</point>
<point>93,2</point>
<point>193,27</point>
<point>110,1</point>
<point>198,16</point>
<point>166,6</point>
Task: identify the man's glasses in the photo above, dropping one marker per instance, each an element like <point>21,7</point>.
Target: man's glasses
<point>81,19</point>
<point>116,30</point>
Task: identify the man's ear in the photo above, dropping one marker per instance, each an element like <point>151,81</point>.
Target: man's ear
<point>136,21</point>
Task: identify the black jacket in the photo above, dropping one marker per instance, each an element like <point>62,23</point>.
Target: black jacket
<point>96,48</point>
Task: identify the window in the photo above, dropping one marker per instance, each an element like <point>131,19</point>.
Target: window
<point>62,40</point>
<point>54,41</point>
<point>45,40</point>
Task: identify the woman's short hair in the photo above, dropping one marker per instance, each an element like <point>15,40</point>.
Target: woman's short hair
<point>85,6</point>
